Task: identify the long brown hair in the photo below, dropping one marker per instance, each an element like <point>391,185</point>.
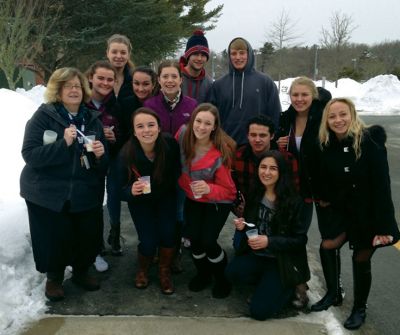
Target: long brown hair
<point>224,143</point>
<point>130,148</point>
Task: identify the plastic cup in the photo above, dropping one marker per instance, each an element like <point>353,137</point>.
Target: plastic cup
<point>88,141</point>
<point>195,195</point>
<point>252,233</point>
<point>147,184</point>
<point>49,136</point>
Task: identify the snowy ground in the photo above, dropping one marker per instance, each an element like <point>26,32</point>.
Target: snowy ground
<point>21,290</point>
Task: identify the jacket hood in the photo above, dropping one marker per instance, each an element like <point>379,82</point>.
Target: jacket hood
<point>378,134</point>
<point>250,57</point>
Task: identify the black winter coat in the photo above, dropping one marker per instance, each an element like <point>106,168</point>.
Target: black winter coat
<point>53,173</point>
<point>287,241</point>
<point>359,190</point>
<point>309,148</point>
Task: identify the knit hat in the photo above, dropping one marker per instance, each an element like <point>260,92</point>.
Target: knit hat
<point>197,43</point>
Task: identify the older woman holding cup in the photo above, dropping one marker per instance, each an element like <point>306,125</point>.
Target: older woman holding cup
<point>61,182</point>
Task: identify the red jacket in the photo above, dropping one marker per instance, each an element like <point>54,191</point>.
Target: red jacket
<point>210,169</point>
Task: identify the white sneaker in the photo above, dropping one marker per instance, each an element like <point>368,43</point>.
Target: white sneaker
<point>100,264</point>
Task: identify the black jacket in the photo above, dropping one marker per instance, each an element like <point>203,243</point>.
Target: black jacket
<point>167,187</point>
<point>359,190</point>
<point>287,241</point>
<point>53,173</point>
<point>309,147</point>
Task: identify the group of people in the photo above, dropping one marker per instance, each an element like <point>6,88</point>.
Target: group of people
<point>184,152</point>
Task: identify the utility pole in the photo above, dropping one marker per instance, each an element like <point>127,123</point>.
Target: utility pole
<point>315,62</point>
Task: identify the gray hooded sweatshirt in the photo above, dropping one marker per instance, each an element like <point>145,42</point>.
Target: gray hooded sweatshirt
<point>241,95</point>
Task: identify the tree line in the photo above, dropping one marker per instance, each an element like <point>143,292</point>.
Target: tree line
<point>47,34</point>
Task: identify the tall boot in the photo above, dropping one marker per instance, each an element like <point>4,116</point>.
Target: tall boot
<point>114,240</point>
<point>330,261</point>
<point>142,279</point>
<point>362,279</point>
<point>203,277</point>
<point>222,287</point>
<point>176,266</point>
<point>166,255</point>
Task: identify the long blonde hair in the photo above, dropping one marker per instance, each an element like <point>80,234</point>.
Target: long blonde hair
<point>225,144</point>
<point>356,128</point>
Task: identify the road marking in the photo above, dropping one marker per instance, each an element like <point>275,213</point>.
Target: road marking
<point>397,245</point>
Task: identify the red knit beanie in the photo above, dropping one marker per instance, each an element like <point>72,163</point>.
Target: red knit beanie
<point>197,43</point>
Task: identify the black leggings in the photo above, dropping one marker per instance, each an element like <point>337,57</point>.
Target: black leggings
<point>204,224</point>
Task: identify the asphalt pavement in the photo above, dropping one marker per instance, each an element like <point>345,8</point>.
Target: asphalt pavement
<point>120,308</point>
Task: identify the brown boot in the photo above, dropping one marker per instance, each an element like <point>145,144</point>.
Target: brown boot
<point>54,290</point>
<point>85,281</point>
<point>142,279</point>
<point>166,255</point>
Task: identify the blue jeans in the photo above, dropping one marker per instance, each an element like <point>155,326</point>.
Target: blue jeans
<point>269,296</point>
<point>113,194</point>
<point>155,222</point>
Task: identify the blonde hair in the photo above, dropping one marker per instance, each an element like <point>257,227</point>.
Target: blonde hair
<point>306,82</point>
<point>118,38</point>
<point>59,78</point>
<point>355,130</point>
<point>224,143</point>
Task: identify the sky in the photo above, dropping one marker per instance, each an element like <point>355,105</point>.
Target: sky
<point>22,287</point>
<point>251,19</point>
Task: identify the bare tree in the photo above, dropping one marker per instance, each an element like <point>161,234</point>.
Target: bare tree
<point>283,33</point>
<point>23,26</point>
<point>337,36</point>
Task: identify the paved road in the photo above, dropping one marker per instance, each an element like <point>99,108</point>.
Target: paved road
<point>118,297</point>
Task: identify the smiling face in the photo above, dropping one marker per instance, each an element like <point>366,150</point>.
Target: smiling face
<point>170,81</point>
<point>301,98</point>
<point>71,94</point>
<point>268,172</point>
<point>238,59</point>
<point>259,138</point>
<point>145,128</point>
<point>203,125</point>
<point>339,119</point>
<point>142,85</point>
<point>197,61</point>
<point>102,81</point>
<point>118,54</point>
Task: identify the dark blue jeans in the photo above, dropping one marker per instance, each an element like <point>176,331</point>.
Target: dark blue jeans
<point>113,194</point>
<point>270,296</point>
<point>155,223</point>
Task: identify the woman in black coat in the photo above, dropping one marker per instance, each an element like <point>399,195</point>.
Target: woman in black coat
<point>152,205</point>
<point>298,134</point>
<point>355,190</point>
<point>275,260</point>
<point>62,182</point>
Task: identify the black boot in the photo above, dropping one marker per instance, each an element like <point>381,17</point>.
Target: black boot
<point>203,277</point>
<point>222,287</point>
<point>114,240</point>
<point>362,283</point>
<point>330,261</point>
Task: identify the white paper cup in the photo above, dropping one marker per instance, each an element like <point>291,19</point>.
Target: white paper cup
<point>49,136</point>
<point>89,142</point>
<point>147,186</point>
<point>195,196</point>
<point>252,233</point>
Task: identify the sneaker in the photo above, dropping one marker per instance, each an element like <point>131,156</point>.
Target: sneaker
<point>100,264</point>
<point>186,242</point>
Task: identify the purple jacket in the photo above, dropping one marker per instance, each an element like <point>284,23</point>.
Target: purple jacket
<point>171,120</point>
